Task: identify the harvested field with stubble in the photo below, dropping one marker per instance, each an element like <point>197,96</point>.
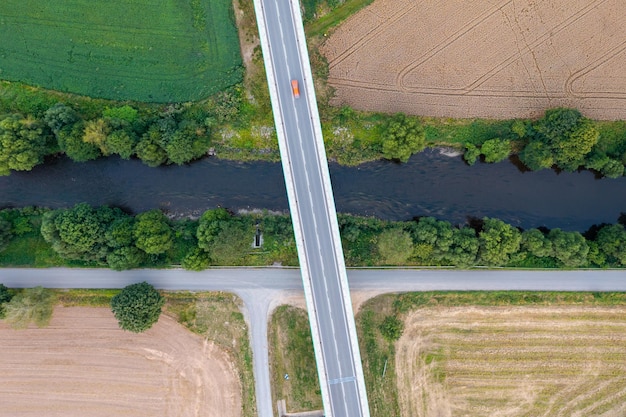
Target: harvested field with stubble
<point>84,365</point>
<point>492,59</point>
<point>513,361</point>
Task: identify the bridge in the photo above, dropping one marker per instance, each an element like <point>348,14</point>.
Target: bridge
<point>312,208</point>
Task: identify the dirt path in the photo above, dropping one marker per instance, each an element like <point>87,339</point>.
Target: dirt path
<point>519,361</point>
<point>494,59</point>
<point>84,365</point>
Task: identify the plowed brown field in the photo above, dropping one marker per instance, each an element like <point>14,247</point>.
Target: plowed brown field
<point>513,362</point>
<point>480,58</point>
<point>84,365</point>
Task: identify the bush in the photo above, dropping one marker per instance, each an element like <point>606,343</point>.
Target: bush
<point>496,150</point>
<point>137,307</point>
<point>471,153</point>
<point>402,137</point>
<point>391,328</point>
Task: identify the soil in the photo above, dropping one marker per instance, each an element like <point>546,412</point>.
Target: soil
<point>513,361</point>
<point>492,59</point>
<point>83,364</point>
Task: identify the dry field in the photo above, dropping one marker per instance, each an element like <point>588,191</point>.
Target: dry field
<point>84,365</point>
<point>513,362</point>
<point>482,58</point>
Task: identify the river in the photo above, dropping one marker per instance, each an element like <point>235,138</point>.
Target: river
<point>430,184</point>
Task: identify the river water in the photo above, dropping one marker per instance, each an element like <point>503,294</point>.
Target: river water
<point>431,184</point>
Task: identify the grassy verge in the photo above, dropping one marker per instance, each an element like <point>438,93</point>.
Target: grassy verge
<point>376,351</point>
<point>291,353</point>
<point>334,17</point>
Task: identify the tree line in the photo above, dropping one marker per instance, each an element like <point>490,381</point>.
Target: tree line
<point>562,138</point>
<point>172,134</point>
<point>108,237</point>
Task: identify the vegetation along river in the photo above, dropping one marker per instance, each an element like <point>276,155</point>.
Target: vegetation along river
<point>431,184</point>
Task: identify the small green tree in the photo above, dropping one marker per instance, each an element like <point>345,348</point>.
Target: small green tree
<point>464,247</point>
<point>569,247</point>
<point>402,137</point>
<point>137,307</point>
<point>496,150</point>
<point>498,241</point>
<point>153,233</point>
<point>121,142</point>
<point>196,260</point>
<point>537,155</point>
<point>536,243</point>
<point>70,140</point>
<point>22,143</point>
<point>611,241</point>
<point>395,246</point>
<point>33,305</point>
<point>149,148</point>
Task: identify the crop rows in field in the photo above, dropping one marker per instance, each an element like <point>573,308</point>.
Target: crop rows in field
<point>493,59</point>
<point>153,50</point>
<point>521,361</point>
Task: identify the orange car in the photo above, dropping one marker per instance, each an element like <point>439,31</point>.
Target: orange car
<point>295,88</point>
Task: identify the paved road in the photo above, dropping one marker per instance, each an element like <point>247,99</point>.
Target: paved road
<point>260,288</point>
<point>313,211</point>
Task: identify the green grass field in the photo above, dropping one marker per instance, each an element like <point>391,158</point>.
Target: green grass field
<point>150,50</point>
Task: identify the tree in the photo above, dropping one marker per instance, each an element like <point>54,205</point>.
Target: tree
<point>402,137</point>
<point>395,246</point>
<point>5,296</point>
<point>119,232</point>
<point>569,247</point>
<point>537,155</point>
<point>210,225</point>
<point>149,150</point>
<point>498,241</point>
<point>569,136</point>
<point>196,260</point>
<point>464,247</point>
<point>59,116</point>
<point>436,233</point>
<point>611,241</point>
<point>121,142</point>
<point>5,233</point>
<point>96,132</point>
<point>22,143</point>
<point>188,142</point>
<point>496,150</point>
<point>153,233</point>
<point>613,169</point>
<point>31,305</point>
<point>127,257</point>
<point>137,307</point>
<point>77,233</point>
<point>536,243</point>
<point>70,140</point>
